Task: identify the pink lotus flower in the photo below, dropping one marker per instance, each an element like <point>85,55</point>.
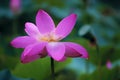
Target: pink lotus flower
<point>15,6</point>
<point>109,64</point>
<point>43,39</point>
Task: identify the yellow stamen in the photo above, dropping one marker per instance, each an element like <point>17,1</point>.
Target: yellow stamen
<point>48,38</point>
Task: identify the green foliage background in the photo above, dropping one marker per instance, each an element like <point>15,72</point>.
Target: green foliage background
<point>97,29</point>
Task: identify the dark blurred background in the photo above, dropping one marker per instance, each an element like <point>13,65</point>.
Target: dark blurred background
<point>97,29</point>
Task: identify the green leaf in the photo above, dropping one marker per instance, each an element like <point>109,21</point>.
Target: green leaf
<point>84,30</point>
<point>8,61</point>
<point>6,75</point>
<point>104,74</point>
<point>39,69</point>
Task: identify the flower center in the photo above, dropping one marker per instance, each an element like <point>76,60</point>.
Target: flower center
<point>49,38</point>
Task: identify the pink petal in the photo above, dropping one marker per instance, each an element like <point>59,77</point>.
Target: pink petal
<point>44,22</point>
<point>56,50</point>
<point>75,50</point>
<point>66,26</point>
<point>22,41</point>
<point>33,52</point>
<point>32,30</point>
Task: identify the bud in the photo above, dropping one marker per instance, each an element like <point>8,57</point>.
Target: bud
<point>15,6</point>
<point>109,64</point>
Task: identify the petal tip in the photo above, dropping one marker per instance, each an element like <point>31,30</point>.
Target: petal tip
<point>85,56</point>
<point>13,43</point>
<point>23,62</point>
<point>74,15</point>
<point>44,22</point>
<point>60,59</point>
<point>41,11</point>
<point>63,59</point>
<point>27,24</point>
